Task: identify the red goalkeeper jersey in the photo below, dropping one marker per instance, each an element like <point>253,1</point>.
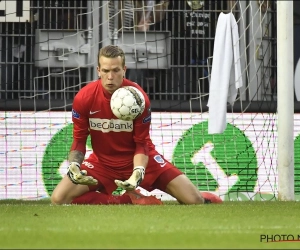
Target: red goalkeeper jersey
<point>114,141</point>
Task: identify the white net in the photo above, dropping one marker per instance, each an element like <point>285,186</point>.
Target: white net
<point>239,162</point>
<point>169,49</point>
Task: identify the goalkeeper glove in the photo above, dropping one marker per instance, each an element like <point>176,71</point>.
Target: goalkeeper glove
<point>134,181</point>
<point>78,176</point>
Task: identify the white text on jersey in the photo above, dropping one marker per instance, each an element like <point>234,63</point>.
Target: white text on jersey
<point>113,125</point>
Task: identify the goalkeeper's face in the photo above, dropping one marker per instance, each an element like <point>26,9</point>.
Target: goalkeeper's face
<point>112,72</point>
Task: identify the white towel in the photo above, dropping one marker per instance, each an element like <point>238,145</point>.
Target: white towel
<point>225,79</point>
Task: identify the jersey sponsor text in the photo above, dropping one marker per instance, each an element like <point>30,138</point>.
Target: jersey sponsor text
<point>113,125</point>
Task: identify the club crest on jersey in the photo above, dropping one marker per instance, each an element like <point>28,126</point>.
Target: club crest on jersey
<point>159,159</point>
<point>75,114</point>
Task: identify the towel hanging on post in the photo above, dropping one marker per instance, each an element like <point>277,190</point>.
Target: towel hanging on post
<point>226,76</point>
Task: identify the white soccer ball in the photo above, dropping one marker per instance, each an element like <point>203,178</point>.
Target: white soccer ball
<point>127,103</point>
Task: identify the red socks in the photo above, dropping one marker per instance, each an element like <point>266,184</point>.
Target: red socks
<point>96,198</point>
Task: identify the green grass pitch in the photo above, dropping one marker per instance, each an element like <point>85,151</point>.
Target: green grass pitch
<point>38,225</point>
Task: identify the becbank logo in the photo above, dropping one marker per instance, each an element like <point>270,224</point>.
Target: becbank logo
<point>113,125</point>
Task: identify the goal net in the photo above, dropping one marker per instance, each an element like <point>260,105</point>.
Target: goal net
<point>51,53</point>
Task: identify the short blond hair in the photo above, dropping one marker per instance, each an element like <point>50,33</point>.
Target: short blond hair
<point>111,51</point>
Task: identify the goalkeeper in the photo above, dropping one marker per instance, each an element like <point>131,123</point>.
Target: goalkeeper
<point>123,153</point>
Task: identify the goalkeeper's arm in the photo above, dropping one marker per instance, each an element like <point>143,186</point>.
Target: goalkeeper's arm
<point>76,156</point>
<point>140,162</point>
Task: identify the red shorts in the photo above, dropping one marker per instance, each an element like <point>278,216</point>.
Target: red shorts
<point>159,173</point>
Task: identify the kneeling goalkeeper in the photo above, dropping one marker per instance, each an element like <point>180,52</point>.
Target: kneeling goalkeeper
<point>123,153</point>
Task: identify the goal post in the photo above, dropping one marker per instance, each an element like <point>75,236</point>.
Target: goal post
<point>285,100</point>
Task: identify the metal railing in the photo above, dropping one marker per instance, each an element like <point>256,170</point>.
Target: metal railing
<point>27,87</point>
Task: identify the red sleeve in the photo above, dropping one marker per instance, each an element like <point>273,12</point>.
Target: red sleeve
<point>79,146</point>
<point>141,148</point>
<point>141,129</point>
<point>81,124</point>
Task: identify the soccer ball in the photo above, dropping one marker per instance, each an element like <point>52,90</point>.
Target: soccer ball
<point>127,103</point>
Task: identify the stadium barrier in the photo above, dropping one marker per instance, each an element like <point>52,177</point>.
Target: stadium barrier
<point>240,164</point>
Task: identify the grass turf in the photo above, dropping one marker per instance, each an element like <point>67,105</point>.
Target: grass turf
<point>37,224</point>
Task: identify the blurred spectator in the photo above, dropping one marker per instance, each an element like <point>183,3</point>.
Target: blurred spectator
<point>139,15</point>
